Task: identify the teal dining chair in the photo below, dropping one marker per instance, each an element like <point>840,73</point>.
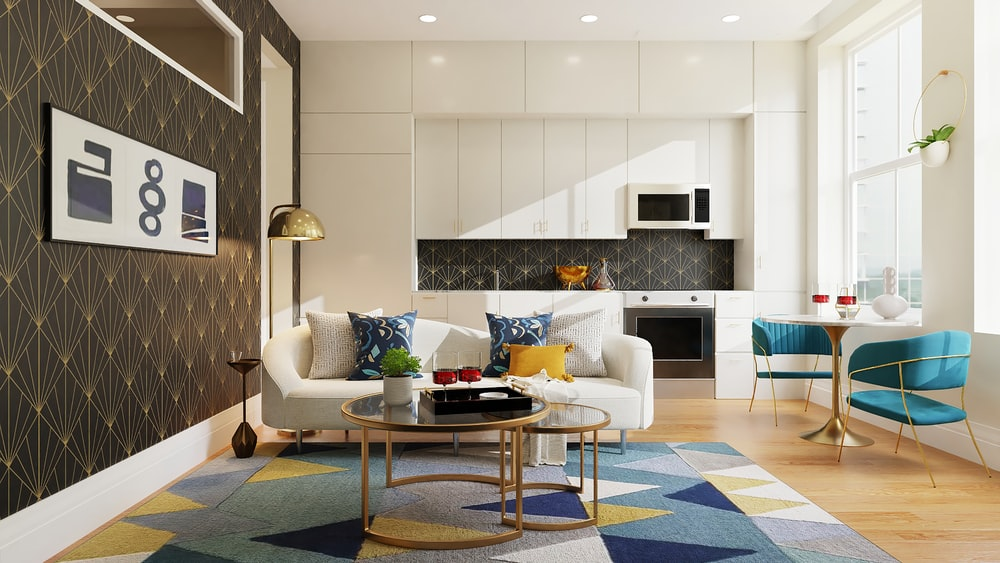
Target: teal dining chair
<point>932,362</point>
<point>770,339</point>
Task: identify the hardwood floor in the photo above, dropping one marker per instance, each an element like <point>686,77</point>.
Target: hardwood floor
<point>886,497</point>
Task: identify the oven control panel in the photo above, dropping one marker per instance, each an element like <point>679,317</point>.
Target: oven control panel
<point>669,298</point>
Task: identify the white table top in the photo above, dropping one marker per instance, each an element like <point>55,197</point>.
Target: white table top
<point>829,320</point>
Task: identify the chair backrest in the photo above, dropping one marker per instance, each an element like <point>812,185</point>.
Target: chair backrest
<point>939,360</point>
<point>781,338</point>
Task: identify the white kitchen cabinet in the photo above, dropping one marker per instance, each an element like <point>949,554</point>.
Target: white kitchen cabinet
<point>727,170</point>
<point>734,374</point>
<point>436,178</point>
<point>522,179</point>
<point>355,77</point>
<point>484,77</point>
<point>669,151</point>
<point>568,77</point>
<point>779,201</point>
<point>607,176</point>
<point>525,303</point>
<point>696,77</point>
<point>479,178</point>
<point>565,147</point>
<point>430,305</point>
<point>584,301</point>
<point>469,308</point>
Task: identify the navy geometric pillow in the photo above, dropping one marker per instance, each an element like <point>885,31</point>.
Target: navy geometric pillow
<point>530,331</point>
<point>373,336</point>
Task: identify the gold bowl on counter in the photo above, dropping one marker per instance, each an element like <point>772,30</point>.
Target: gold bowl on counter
<point>572,275</point>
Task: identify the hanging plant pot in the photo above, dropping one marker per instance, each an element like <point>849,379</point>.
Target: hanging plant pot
<point>935,154</point>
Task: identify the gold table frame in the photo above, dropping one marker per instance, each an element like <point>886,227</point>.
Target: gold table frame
<point>561,422</point>
<point>835,431</point>
<point>402,422</point>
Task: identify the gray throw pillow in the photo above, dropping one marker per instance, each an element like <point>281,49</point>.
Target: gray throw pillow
<point>334,350</point>
<point>585,332</point>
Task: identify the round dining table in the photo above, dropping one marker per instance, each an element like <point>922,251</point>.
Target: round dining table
<point>835,431</point>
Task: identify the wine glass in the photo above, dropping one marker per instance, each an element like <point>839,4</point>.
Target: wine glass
<point>470,367</point>
<point>445,367</point>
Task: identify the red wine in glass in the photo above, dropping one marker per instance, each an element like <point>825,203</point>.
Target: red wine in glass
<point>469,369</point>
<point>445,370</point>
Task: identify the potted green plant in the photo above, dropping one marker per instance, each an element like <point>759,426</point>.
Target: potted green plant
<point>398,368</point>
<point>934,148</point>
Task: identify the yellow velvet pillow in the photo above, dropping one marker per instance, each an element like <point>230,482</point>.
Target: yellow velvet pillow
<point>526,361</point>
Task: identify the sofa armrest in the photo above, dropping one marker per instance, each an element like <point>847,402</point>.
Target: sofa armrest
<point>630,360</point>
<point>287,358</point>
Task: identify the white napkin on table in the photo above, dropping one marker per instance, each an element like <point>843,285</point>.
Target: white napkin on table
<point>547,449</point>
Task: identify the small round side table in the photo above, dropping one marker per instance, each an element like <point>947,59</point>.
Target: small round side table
<point>245,439</point>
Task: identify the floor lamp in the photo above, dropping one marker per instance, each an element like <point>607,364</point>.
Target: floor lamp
<point>287,222</point>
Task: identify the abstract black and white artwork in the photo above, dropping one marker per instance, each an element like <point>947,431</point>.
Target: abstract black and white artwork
<point>106,188</point>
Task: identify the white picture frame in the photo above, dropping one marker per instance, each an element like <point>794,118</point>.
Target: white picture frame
<point>108,189</point>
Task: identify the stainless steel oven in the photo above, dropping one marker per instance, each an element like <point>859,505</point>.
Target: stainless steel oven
<point>680,326</point>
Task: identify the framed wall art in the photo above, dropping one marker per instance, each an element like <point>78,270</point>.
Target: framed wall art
<point>106,188</point>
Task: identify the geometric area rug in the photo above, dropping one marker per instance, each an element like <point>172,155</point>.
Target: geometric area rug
<point>681,502</point>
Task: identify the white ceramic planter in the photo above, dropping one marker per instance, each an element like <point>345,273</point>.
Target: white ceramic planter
<point>935,154</point>
<point>397,391</point>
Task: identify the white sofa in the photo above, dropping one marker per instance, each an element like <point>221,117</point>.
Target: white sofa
<point>290,400</point>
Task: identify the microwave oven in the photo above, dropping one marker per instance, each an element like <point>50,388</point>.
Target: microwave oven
<point>668,206</point>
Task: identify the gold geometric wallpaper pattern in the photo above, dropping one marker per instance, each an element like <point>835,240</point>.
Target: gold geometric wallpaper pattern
<point>107,351</point>
<point>647,260</point>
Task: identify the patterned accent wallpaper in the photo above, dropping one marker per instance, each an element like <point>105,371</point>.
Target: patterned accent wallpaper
<point>107,351</point>
<point>646,260</point>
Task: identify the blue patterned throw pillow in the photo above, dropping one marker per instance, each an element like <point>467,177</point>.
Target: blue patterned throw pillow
<point>530,331</point>
<point>373,336</point>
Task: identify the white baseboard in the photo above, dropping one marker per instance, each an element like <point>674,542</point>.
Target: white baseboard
<point>951,438</point>
<point>58,521</point>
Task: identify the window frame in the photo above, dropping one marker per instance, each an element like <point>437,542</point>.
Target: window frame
<point>852,174</point>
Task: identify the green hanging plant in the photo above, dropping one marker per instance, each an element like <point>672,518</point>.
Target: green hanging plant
<point>936,135</point>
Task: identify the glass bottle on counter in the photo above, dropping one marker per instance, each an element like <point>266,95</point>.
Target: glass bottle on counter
<point>603,281</point>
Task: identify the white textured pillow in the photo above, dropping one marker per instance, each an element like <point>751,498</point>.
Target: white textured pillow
<point>333,344</point>
<point>585,332</point>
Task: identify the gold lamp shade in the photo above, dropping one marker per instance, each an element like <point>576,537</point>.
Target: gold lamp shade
<point>294,223</point>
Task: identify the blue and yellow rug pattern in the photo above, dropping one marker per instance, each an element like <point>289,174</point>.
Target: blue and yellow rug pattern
<point>684,502</point>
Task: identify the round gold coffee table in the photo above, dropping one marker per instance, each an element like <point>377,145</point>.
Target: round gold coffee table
<point>566,418</point>
<point>370,412</point>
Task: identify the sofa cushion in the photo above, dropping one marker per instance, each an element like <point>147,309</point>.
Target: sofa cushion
<point>530,331</point>
<point>373,336</point>
<point>585,332</point>
<point>526,361</point>
<point>333,352</point>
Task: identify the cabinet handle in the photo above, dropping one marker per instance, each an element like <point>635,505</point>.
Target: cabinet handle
<point>546,229</point>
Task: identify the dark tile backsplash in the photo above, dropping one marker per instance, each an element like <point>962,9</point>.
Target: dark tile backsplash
<point>646,260</point>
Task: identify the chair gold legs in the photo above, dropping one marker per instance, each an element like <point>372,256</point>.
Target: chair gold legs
<point>976,445</point>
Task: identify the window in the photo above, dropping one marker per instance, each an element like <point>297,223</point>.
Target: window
<point>885,180</point>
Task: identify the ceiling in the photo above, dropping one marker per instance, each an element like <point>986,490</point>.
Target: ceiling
<point>557,20</point>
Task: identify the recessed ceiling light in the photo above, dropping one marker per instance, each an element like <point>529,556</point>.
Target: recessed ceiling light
<point>427,18</point>
<point>731,18</point>
<point>125,19</point>
<point>588,18</point>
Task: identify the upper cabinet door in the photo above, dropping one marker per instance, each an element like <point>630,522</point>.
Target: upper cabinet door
<point>729,182</point>
<point>468,77</point>
<point>565,177</point>
<point>479,178</point>
<point>607,175</point>
<point>522,177</point>
<point>436,178</point>
<point>577,77</point>
<point>669,151</point>
<point>689,77</point>
<point>359,77</point>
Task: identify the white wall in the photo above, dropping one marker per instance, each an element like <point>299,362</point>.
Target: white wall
<point>948,207</point>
